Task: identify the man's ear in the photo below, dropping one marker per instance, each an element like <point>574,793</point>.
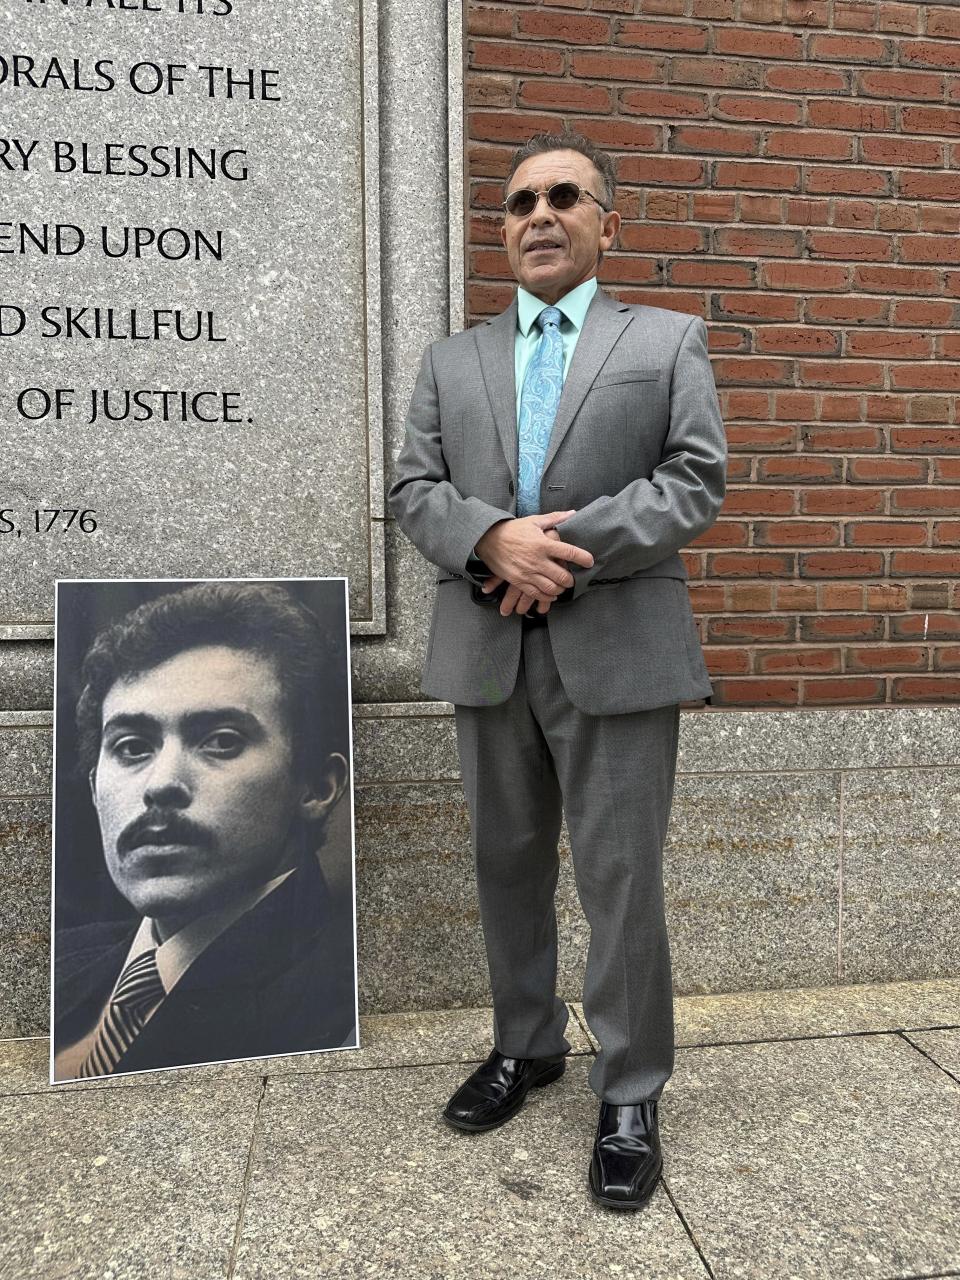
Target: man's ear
<point>609,226</point>
<point>92,780</point>
<point>318,798</point>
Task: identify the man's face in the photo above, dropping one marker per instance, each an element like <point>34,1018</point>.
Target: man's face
<point>551,251</point>
<point>194,785</point>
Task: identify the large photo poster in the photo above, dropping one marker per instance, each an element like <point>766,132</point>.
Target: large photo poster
<point>203,881</point>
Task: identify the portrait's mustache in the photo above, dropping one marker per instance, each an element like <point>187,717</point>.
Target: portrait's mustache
<point>162,826</point>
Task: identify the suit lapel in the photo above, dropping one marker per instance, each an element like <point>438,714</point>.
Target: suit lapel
<point>84,980</point>
<point>496,344</point>
<point>289,949</point>
<point>604,322</point>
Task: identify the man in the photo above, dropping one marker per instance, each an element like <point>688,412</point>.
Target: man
<point>205,729</point>
<point>556,460</point>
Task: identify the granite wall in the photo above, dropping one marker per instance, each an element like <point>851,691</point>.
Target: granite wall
<point>190,317</point>
<point>805,847</point>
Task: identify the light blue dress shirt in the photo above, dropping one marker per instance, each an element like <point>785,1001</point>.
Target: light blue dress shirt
<point>574,307</point>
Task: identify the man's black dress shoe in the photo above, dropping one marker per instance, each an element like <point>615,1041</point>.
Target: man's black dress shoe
<point>496,1090</point>
<point>626,1155</point>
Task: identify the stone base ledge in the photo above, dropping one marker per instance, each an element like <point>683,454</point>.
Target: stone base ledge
<point>805,848</point>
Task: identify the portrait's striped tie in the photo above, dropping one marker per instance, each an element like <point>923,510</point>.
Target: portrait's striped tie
<point>138,993</point>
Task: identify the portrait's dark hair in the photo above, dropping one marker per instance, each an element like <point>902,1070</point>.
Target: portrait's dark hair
<point>259,617</point>
<point>541,143</point>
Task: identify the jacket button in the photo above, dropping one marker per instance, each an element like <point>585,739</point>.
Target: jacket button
<point>510,488</point>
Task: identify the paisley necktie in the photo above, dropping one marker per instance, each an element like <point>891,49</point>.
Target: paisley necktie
<point>539,397</point>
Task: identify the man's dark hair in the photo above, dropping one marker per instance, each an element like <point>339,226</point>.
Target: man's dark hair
<point>259,617</point>
<point>541,143</point>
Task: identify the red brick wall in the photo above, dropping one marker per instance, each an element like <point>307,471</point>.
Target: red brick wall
<point>790,171</point>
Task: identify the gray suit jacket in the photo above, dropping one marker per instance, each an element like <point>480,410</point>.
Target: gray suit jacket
<point>637,448</point>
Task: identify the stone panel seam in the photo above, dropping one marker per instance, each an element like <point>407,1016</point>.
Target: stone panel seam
<point>840,768</point>
<point>581,1021</point>
<point>913,1045</point>
<point>245,1186</point>
<point>686,1226</point>
<point>840,880</point>
<point>457,196</point>
<point>927,1275</point>
<point>376,623</point>
<point>703,773</point>
<point>681,773</point>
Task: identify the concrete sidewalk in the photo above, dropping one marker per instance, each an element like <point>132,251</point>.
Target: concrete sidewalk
<point>811,1133</point>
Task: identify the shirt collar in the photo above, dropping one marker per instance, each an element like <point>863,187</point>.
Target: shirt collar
<point>573,305</point>
<point>175,956</point>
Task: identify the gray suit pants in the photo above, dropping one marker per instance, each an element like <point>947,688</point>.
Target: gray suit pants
<point>523,761</point>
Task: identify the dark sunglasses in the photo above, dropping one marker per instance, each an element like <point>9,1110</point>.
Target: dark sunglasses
<point>562,195</point>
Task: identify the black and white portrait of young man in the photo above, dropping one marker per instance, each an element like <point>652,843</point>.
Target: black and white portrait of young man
<point>203,839</point>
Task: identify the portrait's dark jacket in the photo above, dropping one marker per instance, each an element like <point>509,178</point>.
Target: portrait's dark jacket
<point>279,980</point>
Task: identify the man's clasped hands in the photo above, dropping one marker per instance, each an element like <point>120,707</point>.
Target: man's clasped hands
<point>529,554</point>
